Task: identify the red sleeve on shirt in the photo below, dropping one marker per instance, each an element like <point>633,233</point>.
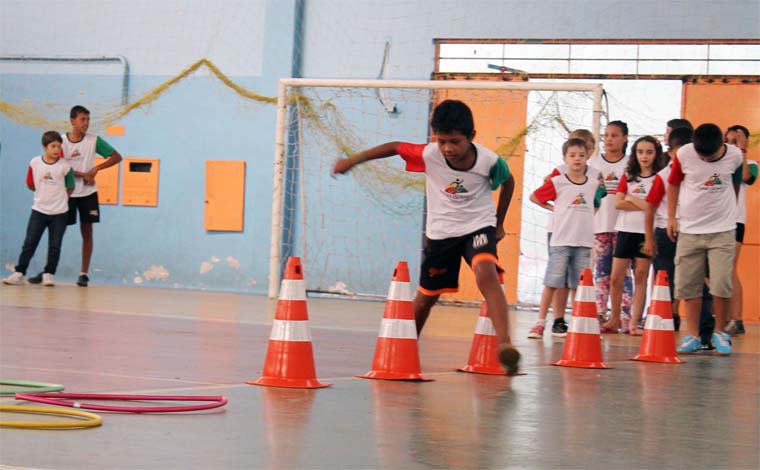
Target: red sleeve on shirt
<point>656,192</point>
<point>676,173</point>
<point>412,155</point>
<point>555,172</point>
<point>623,185</point>
<point>546,193</point>
<point>30,178</point>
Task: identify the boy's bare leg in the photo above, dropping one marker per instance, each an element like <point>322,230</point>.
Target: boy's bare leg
<point>487,278</point>
<point>560,301</point>
<point>421,306</point>
<point>693,308</point>
<point>87,245</point>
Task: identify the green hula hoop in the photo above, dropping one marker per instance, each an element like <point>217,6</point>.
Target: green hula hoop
<point>35,387</point>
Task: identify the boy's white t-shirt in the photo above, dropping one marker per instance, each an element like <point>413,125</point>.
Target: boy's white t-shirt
<point>573,213</point>
<point>606,216</point>
<point>590,170</point>
<point>707,198</point>
<point>459,202</point>
<point>81,156</point>
<point>634,221</point>
<point>49,180</point>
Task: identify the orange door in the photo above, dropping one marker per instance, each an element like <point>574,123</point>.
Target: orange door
<point>727,103</point>
<point>225,195</point>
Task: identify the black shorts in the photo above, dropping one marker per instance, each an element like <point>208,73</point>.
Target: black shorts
<point>740,232</point>
<point>442,258</point>
<point>88,207</point>
<point>628,245</point>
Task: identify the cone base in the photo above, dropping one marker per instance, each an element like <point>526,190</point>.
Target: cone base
<point>288,383</point>
<point>661,359</point>
<point>482,370</point>
<point>582,364</point>
<point>381,375</point>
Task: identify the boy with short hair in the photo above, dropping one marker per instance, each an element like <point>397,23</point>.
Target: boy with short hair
<point>576,194</point>
<point>461,218</point>
<point>52,181</point>
<point>700,183</point>
<point>80,149</point>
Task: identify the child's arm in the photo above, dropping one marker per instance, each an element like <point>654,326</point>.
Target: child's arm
<point>69,181</point>
<point>673,190</point>
<point>623,204</point>
<point>30,179</point>
<point>641,204</point>
<point>385,150</point>
<point>649,247</point>
<point>505,197</point>
<point>547,206</point>
<point>541,196</point>
<point>113,159</point>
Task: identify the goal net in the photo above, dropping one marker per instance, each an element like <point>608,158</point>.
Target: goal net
<point>351,229</point>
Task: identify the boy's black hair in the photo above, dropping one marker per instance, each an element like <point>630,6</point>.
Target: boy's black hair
<point>623,128</point>
<point>51,136</point>
<point>708,138</point>
<point>680,136</point>
<point>77,110</point>
<point>453,115</point>
<point>679,123</point>
<point>633,169</point>
<point>738,128</point>
<point>573,143</point>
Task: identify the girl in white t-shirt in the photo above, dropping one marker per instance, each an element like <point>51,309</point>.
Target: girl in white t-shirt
<point>630,199</point>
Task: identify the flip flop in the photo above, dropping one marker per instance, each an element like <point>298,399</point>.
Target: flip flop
<point>607,331</point>
<point>635,332</point>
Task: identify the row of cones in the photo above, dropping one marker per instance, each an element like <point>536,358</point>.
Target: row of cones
<point>290,357</point>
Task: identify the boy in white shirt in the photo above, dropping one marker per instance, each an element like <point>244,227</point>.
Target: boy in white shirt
<point>576,194</point>
<point>700,183</point>
<point>52,181</point>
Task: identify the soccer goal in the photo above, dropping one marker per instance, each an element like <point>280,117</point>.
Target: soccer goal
<point>351,229</point>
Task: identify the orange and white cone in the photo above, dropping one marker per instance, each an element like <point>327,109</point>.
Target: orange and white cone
<point>485,344</point>
<point>396,354</point>
<point>659,341</point>
<point>583,345</point>
<point>290,357</point>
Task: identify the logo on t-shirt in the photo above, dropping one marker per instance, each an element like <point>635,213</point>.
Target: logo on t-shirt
<point>714,180</point>
<point>455,187</point>
<point>611,183</point>
<point>579,200</point>
<point>75,153</point>
<point>47,176</point>
<point>640,189</point>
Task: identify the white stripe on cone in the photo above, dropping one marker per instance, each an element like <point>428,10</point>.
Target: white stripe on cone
<point>585,294</point>
<point>399,329</point>
<point>400,291</point>
<point>655,322</point>
<point>583,325</point>
<point>288,330</point>
<point>661,293</point>
<point>485,327</point>
<point>293,289</point>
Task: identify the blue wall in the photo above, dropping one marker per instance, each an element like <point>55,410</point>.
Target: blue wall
<point>200,119</point>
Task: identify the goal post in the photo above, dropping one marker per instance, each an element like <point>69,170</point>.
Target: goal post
<point>326,114</point>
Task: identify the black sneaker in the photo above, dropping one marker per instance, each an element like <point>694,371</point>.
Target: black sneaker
<point>708,346</point>
<point>739,323</point>
<point>559,328</point>
<point>35,280</point>
<point>676,321</point>
<point>83,280</point>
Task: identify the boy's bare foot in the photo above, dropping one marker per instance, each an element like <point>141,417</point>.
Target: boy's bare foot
<point>509,357</point>
<point>609,327</point>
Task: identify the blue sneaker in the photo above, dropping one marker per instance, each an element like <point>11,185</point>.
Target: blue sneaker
<point>689,345</point>
<point>722,343</point>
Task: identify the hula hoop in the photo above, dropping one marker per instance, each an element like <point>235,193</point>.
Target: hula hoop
<point>56,399</point>
<point>38,387</point>
<point>92,420</point>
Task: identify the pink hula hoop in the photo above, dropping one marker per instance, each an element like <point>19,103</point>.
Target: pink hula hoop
<point>215,401</point>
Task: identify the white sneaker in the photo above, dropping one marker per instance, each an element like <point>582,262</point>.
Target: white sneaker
<point>48,279</point>
<point>15,279</point>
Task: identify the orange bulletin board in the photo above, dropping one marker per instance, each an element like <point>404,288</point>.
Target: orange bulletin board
<point>108,183</point>
<point>140,182</point>
<point>225,195</point>
<point>726,103</point>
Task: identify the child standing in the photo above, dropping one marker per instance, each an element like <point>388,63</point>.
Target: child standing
<point>612,165</point>
<point>461,218</point>
<point>575,194</point>
<point>52,181</point>
<point>630,199</point>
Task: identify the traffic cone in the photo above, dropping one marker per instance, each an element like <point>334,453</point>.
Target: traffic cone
<point>483,353</point>
<point>290,358</point>
<point>396,353</point>
<point>659,341</point>
<point>583,345</point>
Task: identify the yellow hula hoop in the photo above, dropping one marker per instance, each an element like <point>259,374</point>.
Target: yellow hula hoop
<point>92,420</point>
